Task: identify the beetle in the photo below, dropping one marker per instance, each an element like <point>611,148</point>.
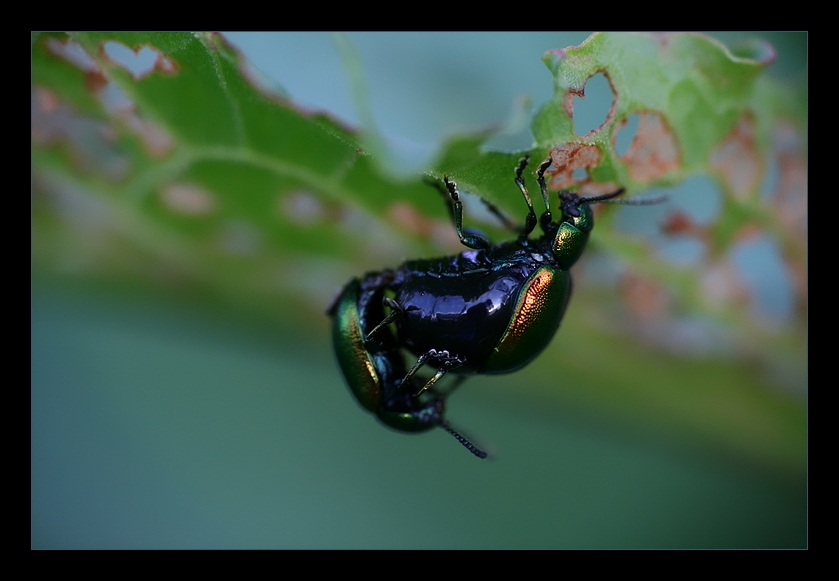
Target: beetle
<point>374,368</point>
<point>488,310</point>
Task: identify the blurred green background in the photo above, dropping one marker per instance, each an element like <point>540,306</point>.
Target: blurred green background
<point>172,421</point>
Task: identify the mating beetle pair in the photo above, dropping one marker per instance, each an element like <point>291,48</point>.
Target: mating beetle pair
<point>490,309</point>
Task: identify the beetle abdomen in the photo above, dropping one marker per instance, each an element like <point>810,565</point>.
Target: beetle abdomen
<point>466,316</point>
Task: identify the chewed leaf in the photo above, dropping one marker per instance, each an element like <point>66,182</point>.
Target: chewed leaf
<point>161,163</point>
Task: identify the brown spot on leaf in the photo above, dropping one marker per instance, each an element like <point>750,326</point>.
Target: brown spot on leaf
<point>790,205</point>
<point>156,140</point>
<point>791,191</point>
<point>737,159</point>
<point>598,189</point>
<point>645,298</point>
<point>663,41</point>
<point>95,81</point>
<point>748,231</point>
<point>86,142</point>
<point>302,208</point>
<point>722,285</point>
<point>570,157</point>
<point>188,199</point>
<point>678,223</point>
<point>568,99</point>
<point>652,152</point>
<point>404,216</point>
<point>164,64</point>
<point>46,100</point>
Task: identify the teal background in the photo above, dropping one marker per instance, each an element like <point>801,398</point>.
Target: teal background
<point>156,427</point>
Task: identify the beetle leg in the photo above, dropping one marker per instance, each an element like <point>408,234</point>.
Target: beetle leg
<point>445,193</point>
<point>434,379</point>
<point>540,178</point>
<point>530,221</point>
<point>395,313</point>
<point>494,210</point>
<point>473,240</point>
<point>414,369</point>
<point>444,358</point>
<point>470,240</point>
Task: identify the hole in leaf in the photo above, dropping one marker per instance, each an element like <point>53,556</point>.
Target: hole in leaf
<point>625,133</point>
<point>645,221</point>
<point>90,142</point>
<point>115,98</point>
<point>679,228</point>
<point>771,179</point>
<point>593,111</point>
<point>699,197</point>
<point>140,61</point>
<point>683,251</point>
<point>736,158</point>
<point>72,52</point>
<point>759,262</point>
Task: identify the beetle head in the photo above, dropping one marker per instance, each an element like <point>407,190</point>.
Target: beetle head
<point>572,230</point>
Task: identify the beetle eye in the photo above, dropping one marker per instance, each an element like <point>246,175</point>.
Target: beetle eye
<point>570,204</point>
<point>571,210</point>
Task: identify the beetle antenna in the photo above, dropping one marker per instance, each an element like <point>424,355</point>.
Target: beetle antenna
<point>466,443</point>
<point>602,198</point>
<point>610,199</point>
<point>640,201</point>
